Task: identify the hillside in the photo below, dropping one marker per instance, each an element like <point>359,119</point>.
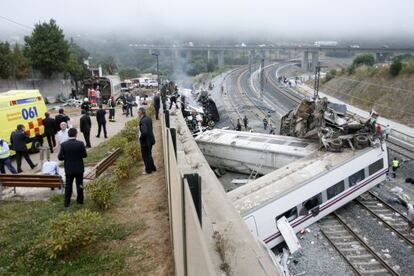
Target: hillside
<point>374,88</point>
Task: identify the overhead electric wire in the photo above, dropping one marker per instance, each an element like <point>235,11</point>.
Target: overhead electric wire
<point>17,23</point>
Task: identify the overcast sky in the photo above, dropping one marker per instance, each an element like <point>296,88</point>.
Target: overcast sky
<point>318,19</point>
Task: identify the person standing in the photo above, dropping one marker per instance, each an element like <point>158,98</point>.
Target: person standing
<point>130,101</point>
<point>157,104</point>
<point>387,131</point>
<point>72,153</point>
<point>410,217</point>
<point>85,125</point>
<point>271,129</point>
<point>173,100</point>
<point>62,135</point>
<point>265,122</point>
<point>111,105</point>
<point>395,164</point>
<point>378,131</point>
<point>50,131</point>
<point>61,117</point>
<point>98,96</point>
<point>86,105</point>
<point>238,125</point>
<point>245,122</point>
<point>147,140</point>
<point>100,118</point>
<point>5,159</point>
<point>19,140</point>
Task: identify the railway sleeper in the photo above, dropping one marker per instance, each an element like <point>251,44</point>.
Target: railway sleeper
<point>376,272</point>
<point>360,256</point>
<point>371,262</point>
<point>350,243</point>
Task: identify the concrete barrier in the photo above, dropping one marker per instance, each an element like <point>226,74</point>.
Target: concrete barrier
<point>197,249</point>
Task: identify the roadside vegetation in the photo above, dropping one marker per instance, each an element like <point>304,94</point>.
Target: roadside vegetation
<point>386,88</point>
<point>44,238</point>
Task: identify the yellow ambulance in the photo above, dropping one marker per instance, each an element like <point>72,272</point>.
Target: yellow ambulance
<point>25,107</point>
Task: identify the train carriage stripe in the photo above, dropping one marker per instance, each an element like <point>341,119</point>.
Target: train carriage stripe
<point>329,204</point>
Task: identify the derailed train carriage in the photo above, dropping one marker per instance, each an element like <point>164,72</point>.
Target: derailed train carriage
<point>110,86</point>
<point>305,189</point>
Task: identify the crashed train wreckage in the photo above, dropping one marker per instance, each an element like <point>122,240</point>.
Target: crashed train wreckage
<point>330,123</point>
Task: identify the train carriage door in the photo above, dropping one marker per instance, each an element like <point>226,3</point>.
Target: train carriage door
<point>251,224</point>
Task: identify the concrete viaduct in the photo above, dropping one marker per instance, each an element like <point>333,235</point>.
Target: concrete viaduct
<point>310,54</point>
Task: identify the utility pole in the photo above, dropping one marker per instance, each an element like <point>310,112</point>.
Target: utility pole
<point>317,80</point>
<point>158,70</point>
<point>262,78</point>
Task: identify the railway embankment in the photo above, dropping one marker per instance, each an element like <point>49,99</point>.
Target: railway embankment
<point>374,88</point>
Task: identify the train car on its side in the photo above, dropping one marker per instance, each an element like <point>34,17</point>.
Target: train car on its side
<point>308,189</point>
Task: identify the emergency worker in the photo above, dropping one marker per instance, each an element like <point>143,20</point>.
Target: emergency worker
<point>395,164</point>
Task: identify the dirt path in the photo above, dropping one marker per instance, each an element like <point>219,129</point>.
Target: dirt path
<point>146,205</point>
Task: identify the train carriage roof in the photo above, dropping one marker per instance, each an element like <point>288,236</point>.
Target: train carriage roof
<point>288,178</point>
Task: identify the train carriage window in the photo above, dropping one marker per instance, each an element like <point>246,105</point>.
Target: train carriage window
<point>356,177</point>
<point>311,203</point>
<point>289,214</point>
<point>335,189</point>
<point>376,166</point>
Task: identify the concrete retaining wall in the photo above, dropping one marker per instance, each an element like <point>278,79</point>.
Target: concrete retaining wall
<point>47,87</point>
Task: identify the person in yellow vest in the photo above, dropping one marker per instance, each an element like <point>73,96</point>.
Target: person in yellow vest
<point>395,164</point>
<point>5,158</point>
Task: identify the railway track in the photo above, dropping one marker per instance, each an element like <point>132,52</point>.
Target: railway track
<point>357,253</point>
<point>394,146</point>
<point>388,215</point>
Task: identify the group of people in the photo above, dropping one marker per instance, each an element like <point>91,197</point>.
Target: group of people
<point>266,125</point>
<point>71,151</point>
<point>245,123</point>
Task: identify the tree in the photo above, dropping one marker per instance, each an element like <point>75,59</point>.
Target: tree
<point>364,59</point>
<point>47,49</point>
<point>396,67</point>
<point>5,60</point>
<point>20,64</point>
<point>109,66</point>
<point>75,66</point>
<point>128,73</point>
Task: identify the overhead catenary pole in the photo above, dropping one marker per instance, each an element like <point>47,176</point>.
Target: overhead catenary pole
<point>317,80</point>
<point>158,70</point>
<point>262,78</point>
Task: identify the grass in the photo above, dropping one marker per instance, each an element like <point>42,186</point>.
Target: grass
<point>116,251</point>
<point>98,153</point>
<point>21,224</point>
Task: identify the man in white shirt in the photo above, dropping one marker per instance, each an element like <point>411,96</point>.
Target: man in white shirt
<point>62,136</point>
<point>50,168</point>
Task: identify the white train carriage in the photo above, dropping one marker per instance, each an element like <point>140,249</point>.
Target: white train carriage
<point>245,152</point>
<point>308,189</point>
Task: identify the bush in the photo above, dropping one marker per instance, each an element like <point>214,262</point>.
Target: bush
<point>133,150</point>
<point>408,68</point>
<point>395,67</point>
<point>330,75</point>
<point>102,191</point>
<point>351,69</point>
<point>150,111</point>
<point>118,142</point>
<point>122,166</point>
<point>70,231</point>
<point>364,59</point>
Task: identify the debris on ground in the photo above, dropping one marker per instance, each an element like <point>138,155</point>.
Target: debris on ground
<point>331,124</point>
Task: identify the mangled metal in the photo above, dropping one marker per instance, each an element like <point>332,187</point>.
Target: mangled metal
<point>330,123</point>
